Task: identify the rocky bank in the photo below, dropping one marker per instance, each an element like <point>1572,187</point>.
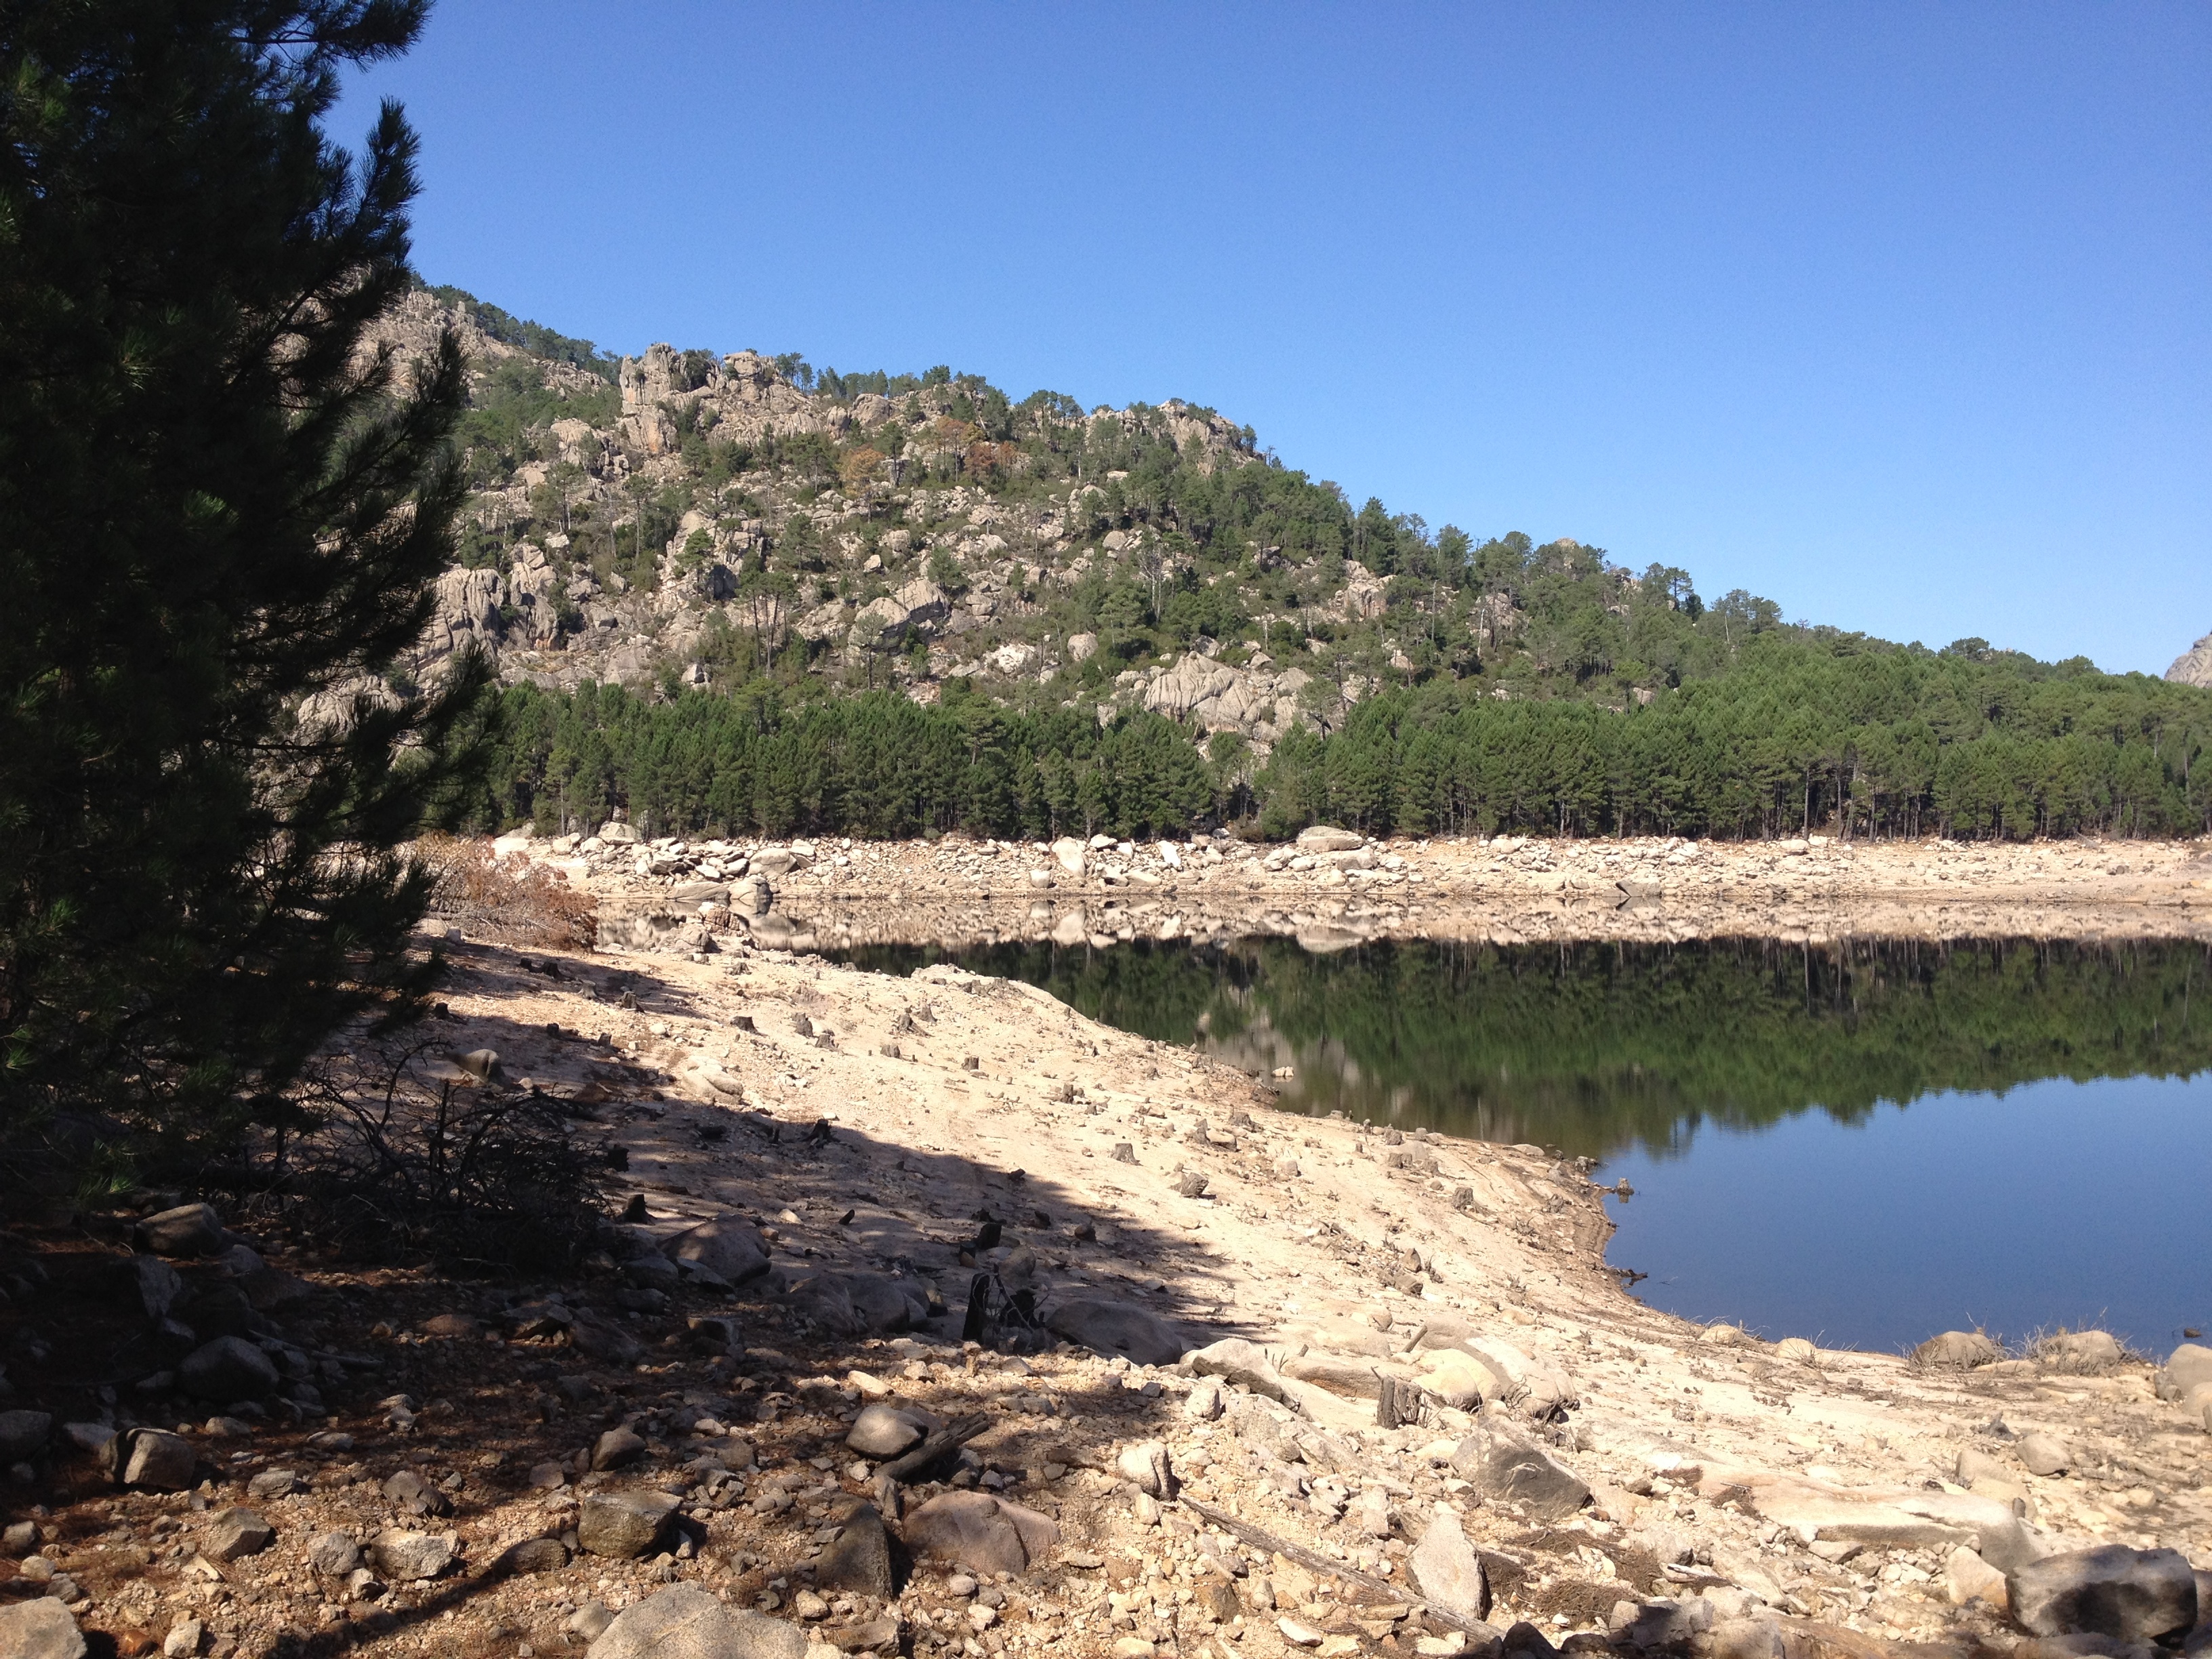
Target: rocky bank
<point>1200,1377</point>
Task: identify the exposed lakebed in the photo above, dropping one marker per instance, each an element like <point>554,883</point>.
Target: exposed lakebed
<point>1863,1142</point>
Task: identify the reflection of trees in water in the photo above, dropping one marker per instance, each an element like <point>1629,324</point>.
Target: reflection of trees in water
<point>1595,1047</point>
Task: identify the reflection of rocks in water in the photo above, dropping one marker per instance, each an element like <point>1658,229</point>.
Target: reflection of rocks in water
<point>1595,1047</point>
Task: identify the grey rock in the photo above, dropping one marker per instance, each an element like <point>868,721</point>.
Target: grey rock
<point>2045,1453</point>
<point>729,1247</point>
<point>188,1230</point>
<point>1447,1570</point>
<point>405,1558</point>
<point>236,1533</point>
<point>589,1620</point>
<point>228,1368</point>
<point>2081,1350</point>
<point>624,1523</point>
<point>333,1555</point>
<point>858,1557</point>
<point>1660,1625</point>
<point>154,1283</point>
<point>980,1532</point>
<point>158,1461</point>
<point>884,1305</point>
<point>532,1555</point>
<point>2136,1595</point>
<point>653,1271</point>
<point>412,1493</point>
<point>1112,1328</point>
<point>482,1064</point>
<point>1959,1350</point>
<point>882,1430</point>
<point>2194,665</point>
<point>2187,1367</point>
<point>616,1447</point>
<point>686,1622</point>
<point>20,1538</point>
<point>1236,1360</point>
<point>39,1630</point>
<point>23,1434</point>
<point>1502,1465</point>
<point>1326,838</point>
<point>273,1483</point>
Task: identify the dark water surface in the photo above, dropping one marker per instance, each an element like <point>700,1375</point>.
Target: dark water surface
<point>1862,1142</point>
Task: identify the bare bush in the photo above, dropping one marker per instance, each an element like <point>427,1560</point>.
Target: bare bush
<point>514,899</point>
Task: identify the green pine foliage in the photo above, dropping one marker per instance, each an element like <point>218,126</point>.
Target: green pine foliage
<point>214,507</point>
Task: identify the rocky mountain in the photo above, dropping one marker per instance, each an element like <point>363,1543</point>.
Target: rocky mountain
<point>689,517</point>
<point>2194,665</point>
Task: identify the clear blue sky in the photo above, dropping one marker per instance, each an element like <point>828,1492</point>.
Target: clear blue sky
<point>1898,314</point>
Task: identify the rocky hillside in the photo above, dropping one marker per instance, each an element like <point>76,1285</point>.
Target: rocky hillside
<point>712,519</point>
<point>2194,665</point>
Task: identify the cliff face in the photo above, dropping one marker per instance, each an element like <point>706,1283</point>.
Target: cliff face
<point>2193,667</point>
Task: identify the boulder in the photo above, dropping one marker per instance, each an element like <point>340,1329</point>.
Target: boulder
<point>615,833</point>
<point>1460,1380</point>
<point>235,1533</point>
<point>333,1555</point>
<point>1447,1570</point>
<point>188,1230</point>
<point>2134,1595</point>
<point>1797,1349</point>
<point>858,1557</point>
<point>1502,1464</point>
<point>1070,854</point>
<point>617,1446</point>
<point>23,1434</point>
<point>1958,1350</point>
<point>1967,1578</point>
<point>43,1629</point>
<point>1326,838</point>
<point>882,1431</point>
<point>228,1368</point>
<point>1112,1328</point>
<point>1145,1466</point>
<point>885,1305</point>
<point>154,1283</point>
<point>2188,1368</point>
<point>981,1533</point>
<point>920,604</point>
<point>2045,1453</point>
<point>686,1622</point>
<point>407,1557</point>
<point>1235,1359</point>
<point>2080,1351</point>
<point>623,1524</point>
<point>726,1245</point>
<point>157,1460</point>
<point>529,1557</point>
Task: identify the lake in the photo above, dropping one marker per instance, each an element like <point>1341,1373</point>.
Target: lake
<point>1863,1142</point>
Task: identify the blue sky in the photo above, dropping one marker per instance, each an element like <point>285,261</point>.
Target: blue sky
<point>1898,314</point>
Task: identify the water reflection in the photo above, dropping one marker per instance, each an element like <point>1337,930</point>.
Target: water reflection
<point>1597,1048</point>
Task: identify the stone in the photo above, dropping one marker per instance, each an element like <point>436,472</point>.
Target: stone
<point>863,1635</point>
<point>235,1533</point>
<point>20,1538</point>
<point>1975,1465</point>
<point>1203,1403</point>
<point>1449,1572</point>
<point>1191,1184</point>
<point>184,1639</point>
<point>1967,1578</point>
<point>590,1620</point>
<point>43,1629</point>
<point>1502,1465</point>
<point>686,1622</point>
<point>726,1245</point>
<point>1325,838</point>
<point>1070,856</point>
<point>154,1283</point>
<point>1797,1349</point>
<point>1959,1350</point>
<point>1461,1381</point>
<point>482,1064</point>
<point>271,1484</point>
<point>1723,1336</point>
<point>617,1446</point>
<point>2045,1453</point>
<point>2136,1595</point>
<point>1297,1632</point>
<point>2080,1351</point>
<point>408,1488</point>
<point>188,1230</point>
<point>2193,667</point>
<point>615,833</point>
<point>158,1461</point>
<point>858,1557</point>
<point>531,1556</point>
<point>1658,1624</point>
<point>1145,1466</point>
<point>2186,1368</point>
<point>1114,1328</point>
<point>623,1524</point>
<point>882,1432</point>
<point>23,1434</point>
<point>1238,1361</point>
<point>333,1555</point>
<point>1750,1638</point>
<point>407,1557</point>
<point>228,1368</point>
<point>980,1532</point>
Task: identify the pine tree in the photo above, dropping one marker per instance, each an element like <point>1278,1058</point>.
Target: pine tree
<point>220,515</point>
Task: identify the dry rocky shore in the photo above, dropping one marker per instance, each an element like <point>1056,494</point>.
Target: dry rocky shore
<point>1233,1384</point>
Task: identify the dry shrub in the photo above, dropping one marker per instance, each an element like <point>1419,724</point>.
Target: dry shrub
<point>514,899</point>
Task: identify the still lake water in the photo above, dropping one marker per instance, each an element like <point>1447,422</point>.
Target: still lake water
<point>1863,1143</point>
